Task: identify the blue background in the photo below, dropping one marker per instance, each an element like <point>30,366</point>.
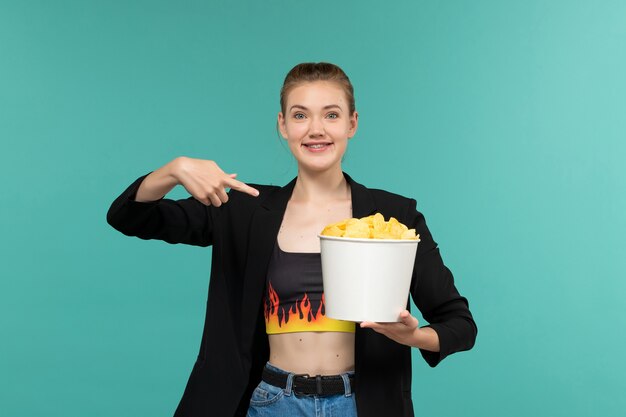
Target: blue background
<point>504,119</point>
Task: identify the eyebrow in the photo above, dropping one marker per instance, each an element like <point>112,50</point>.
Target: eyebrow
<point>330,106</point>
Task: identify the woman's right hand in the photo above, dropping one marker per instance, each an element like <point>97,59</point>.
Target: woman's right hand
<point>203,179</point>
<point>206,181</point>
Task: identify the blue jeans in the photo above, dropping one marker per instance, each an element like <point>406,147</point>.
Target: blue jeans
<point>270,401</point>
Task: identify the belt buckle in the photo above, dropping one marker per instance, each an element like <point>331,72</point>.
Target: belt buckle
<point>318,383</point>
<point>295,382</point>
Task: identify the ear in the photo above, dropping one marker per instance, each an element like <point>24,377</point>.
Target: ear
<point>354,123</point>
<point>281,125</point>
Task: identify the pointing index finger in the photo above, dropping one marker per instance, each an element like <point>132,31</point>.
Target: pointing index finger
<point>243,187</point>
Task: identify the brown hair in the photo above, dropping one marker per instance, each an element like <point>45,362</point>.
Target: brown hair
<point>320,71</point>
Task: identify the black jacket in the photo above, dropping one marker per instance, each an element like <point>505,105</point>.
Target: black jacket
<point>234,345</point>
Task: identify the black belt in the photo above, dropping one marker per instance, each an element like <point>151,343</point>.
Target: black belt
<point>308,385</point>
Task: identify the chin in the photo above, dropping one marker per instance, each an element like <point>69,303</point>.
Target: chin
<point>319,167</point>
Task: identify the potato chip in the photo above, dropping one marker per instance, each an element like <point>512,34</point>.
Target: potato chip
<point>357,228</point>
<point>409,234</point>
<point>395,228</point>
<point>371,227</point>
<point>378,224</point>
<point>369,219</point>
<point>332,230</point>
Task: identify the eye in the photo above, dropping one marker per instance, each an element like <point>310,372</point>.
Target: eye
<point>332,115</point>
<point>299,116</point>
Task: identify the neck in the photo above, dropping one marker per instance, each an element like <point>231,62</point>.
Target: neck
<point>320,186</point>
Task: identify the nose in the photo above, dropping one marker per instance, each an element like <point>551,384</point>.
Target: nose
<point>316,128</point>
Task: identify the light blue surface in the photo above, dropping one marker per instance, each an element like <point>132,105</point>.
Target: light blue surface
<point>504,120</point>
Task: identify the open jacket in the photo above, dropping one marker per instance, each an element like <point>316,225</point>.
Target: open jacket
<point>234,345</point>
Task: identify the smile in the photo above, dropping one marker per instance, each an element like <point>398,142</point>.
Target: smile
<point>317,147</point>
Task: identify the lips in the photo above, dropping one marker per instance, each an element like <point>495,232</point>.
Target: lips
<point>317,146</point>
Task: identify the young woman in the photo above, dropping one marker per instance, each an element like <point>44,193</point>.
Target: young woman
<point>259,355</point>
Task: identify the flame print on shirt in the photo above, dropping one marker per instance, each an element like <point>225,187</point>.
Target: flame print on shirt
<point>302,316</point>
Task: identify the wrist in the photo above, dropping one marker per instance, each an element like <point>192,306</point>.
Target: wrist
<point>174,168</point>
<point>426,338</point>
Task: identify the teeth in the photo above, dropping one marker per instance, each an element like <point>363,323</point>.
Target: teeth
<point>317,146</point>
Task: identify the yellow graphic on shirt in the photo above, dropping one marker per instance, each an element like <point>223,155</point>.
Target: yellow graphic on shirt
<point>300,317</point>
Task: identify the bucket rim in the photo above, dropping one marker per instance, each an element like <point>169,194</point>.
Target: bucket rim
<point>368,240</point>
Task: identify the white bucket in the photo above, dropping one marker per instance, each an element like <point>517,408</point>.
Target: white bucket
<point>366,279</point>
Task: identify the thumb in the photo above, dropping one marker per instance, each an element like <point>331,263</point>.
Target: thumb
<point>408,319</point>
<point>232,175</point>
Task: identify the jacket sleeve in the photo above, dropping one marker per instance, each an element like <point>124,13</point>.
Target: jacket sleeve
<point>173,221</point>
<point>437,298</point>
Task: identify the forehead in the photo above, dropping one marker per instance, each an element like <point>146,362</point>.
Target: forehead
<point>317,94</point>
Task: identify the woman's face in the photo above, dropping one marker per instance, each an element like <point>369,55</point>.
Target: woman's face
<point>317,125</point>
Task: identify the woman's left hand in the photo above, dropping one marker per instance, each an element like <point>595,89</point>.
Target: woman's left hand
<point>406,332</point>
